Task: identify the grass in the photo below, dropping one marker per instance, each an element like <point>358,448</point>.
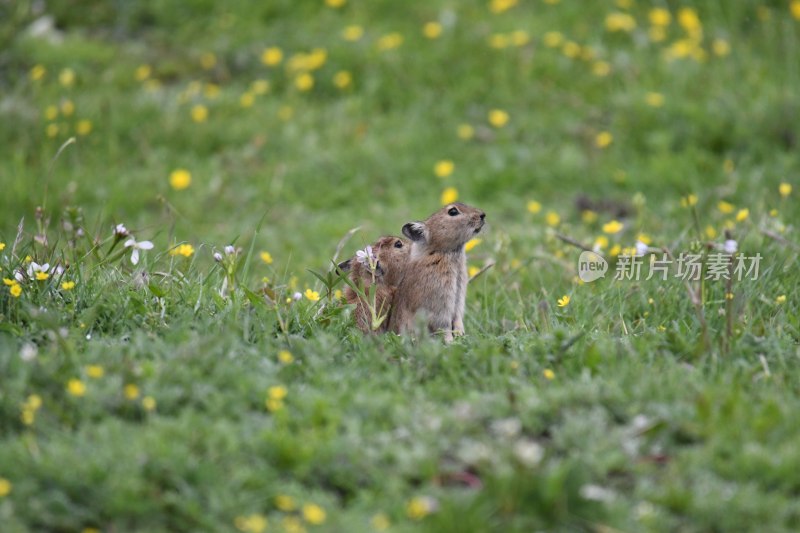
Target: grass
<point>186,394</point>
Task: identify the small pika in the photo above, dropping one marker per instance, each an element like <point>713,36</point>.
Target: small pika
<point>436,278</point>
<point>390,256</point>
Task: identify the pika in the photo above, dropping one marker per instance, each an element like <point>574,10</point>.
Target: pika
<point>389,256</point>
<point>436,275</point>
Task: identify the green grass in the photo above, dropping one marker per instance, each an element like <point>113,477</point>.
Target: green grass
<point>629,409</point>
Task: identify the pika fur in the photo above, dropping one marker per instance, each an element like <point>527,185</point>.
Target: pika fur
<point>436,278</point>
<point>392,255</point>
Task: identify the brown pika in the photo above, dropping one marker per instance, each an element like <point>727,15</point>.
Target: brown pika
<point>390,256</point>
<point>436,278</point>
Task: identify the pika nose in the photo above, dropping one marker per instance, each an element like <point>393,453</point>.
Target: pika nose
<point>483,216</point>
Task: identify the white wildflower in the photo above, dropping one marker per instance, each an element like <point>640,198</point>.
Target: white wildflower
<point>143,245</point>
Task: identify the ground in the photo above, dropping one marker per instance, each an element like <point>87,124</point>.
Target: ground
<point>189,392</point>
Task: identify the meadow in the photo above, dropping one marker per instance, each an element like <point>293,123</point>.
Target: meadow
<point>177,176</point>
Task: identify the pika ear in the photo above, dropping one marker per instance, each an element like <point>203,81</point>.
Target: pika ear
<point>345,266</point>
<point>416,231</point>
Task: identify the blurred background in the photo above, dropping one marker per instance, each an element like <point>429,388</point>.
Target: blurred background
<point>182,394</point>
<point>321,115</point>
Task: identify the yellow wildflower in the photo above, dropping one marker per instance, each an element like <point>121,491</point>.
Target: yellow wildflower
<point>794,7</point>
<point>211,91</point>
<point>780,299</point>
<point>15,290</point>
<point>285,503</point>
<point>41,276</point>
<point>589,216</point>
<point>571,49</point>
<point>95,371</point>
<point>66,77</point>
<point>785,189</point>
<point>548,374</point>
<point>34,402</point>
<point>180,179</point>
<point>313,514</point>
<point>274,405</point>
<point>380,522</point>
<point>432,30</point>
<point>654,99</point>
<point>710,232</point>
<point>390,41</point>
<point>443,168</point>
<point>76,387</point>
<point>690,21</point>
<point>725,208</point>
<point>266,257</point>
<point>285,357</point>
<point>612,227</point>
<point>37,72</point>
<point>335,3</point>
<point>312,295</point>
<point>343,79</point>
<point>465,132</point>
<point>84,127</point>
<point>499,6</point>
<point>67,108</point>
<point>149,403</point>
<point>304,82</point>
<point>534,207</point>
<point>67,285</point>
<point>472,271</point>
<point>552,219</point>
<point>247,99</point>
<point>259,87</point>
<point>520,37</point>
<point>142,72</point>
<point>352,33</point>
<point>498,118</point>
<point>419,508</point>
<point>498,41</point>
<point>199,113</point>
<point>659,16</point>
<point>272,56</point>
<point>292,524</point>
<point>601,68</point>
<point>254,523</point>
<point>5,487</point>
<point>208,60</point>
<point>601,242</point>
<point>603,139</point>
<point>563,301</point>
<point>553,39</point>
<point>620,22</point>
<point>472,243</point>
<point>742,215</point>
<point>277,392</point>
<point>449,195</point>
<point>2,246</point>
<point>131,391</point>
<point>721,47</point>
<point>186,250</point>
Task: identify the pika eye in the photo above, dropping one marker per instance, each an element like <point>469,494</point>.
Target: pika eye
<point>452,211</point>
<point>398,244</point>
